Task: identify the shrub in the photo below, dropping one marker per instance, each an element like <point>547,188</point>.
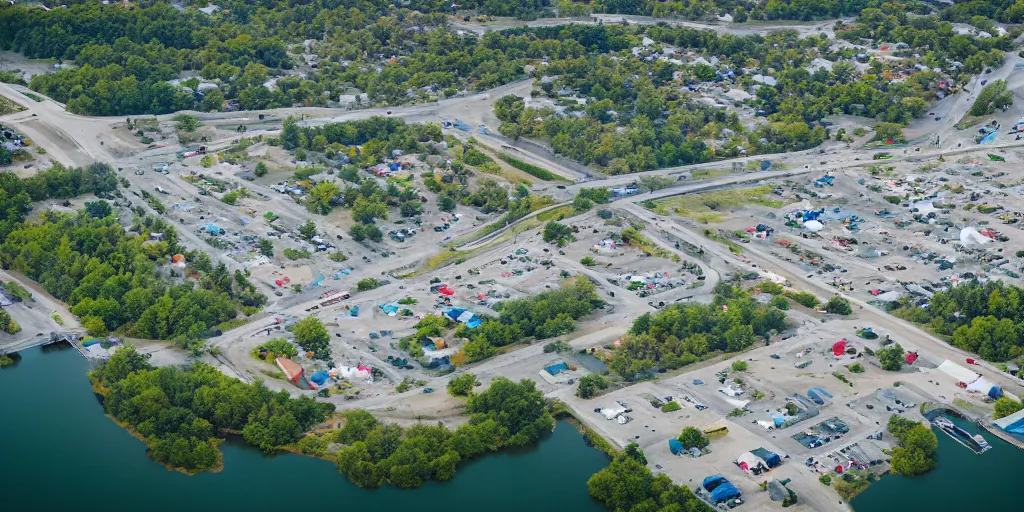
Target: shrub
<point>462,385</point>
<point>672,406</point>
<point>692,437</point>
<point>588,261</point>
<point>590,384</point>
<point>368,283</point>
<point>838,305</point>
<point>856,368</point>
<point>739,366</point>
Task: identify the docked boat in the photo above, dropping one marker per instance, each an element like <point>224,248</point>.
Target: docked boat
<point>975,443</point>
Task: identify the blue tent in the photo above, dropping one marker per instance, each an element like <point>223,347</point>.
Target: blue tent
<point>675,446</point>
<point>319,378</point>
<point>771,458</point>
<point>814,396</point>
<point>725,491</point>
<point>713,481</point>
<point>995,393</point>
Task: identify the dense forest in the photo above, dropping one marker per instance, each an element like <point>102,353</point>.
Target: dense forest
<point>57,182</point>
<point>636,119</point>
<point>183,414</point>
<point>112,279</point>
<point>508,414</point>
<point>683,334</point>
<point>985,319</point>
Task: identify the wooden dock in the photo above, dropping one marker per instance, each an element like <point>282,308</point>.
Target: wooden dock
<point>1001,434</point>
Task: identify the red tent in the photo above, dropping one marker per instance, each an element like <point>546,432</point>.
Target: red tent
<point>910,357</point>
<point>446,290</point>
<point>839,348</point>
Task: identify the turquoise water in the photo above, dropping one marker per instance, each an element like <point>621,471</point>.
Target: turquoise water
<point>963,480</point>
<point>60,451</point>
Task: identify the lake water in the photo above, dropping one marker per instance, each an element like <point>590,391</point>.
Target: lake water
<point>962,481</point>
<point>58,450</point>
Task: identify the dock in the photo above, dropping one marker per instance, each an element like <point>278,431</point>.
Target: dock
<point>1001,434</point>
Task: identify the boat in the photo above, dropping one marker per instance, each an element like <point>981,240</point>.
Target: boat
<point>975,443</point>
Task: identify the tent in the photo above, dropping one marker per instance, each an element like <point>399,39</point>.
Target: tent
<point>445,290</point>
<point>724,492</point>
<point>319,378</point>
<point>711,482</point>
<point>748,461</point>
<point>983,385</point>
<point>555,369</point>
<point>813,225</point>
<point>957,372</point>
<point>772,459</point>
<point>839,348</point>
<point>970,236</point>
<point>675,446</point>
<point>1013,423</point>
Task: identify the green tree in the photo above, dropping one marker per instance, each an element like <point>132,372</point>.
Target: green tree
<point>308,229</point>
<point>634,452</point>
<point>98,209</point>
<point>186,123</point>
<point>838,305</point>
<point>692,437</point>
<point>311,335</point>
<point>322,196</point>
<point>1006,406</point>
<point>260,170</point>
<point>557,233</point>
<point>266,247</point>
<point>462,385</point>
<point>590,384</point>
<point>891,358</point>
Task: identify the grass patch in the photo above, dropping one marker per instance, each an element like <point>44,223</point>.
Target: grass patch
<point>712,207</point>
<point>532,170</point>
<point>704,174</point>
<point>296,254</point>
<point>35,97</point>
<point>9,107</point>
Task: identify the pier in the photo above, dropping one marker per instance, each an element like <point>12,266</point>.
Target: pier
<point>1001,434</point>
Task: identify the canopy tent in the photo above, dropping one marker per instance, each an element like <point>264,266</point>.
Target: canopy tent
<point>957,372</point>
<point>748,461</point>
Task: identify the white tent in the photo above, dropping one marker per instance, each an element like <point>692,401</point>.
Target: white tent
<point>750,460</point>
<point>611,412</point>
<point>957,372</point>
<point>981,385</point>
<point>970,235</point>
<point>813,225</point>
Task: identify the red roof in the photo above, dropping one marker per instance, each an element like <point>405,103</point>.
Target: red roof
<point>290,369</point>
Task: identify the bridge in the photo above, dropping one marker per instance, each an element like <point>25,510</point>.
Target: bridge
<point>38,341</point>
